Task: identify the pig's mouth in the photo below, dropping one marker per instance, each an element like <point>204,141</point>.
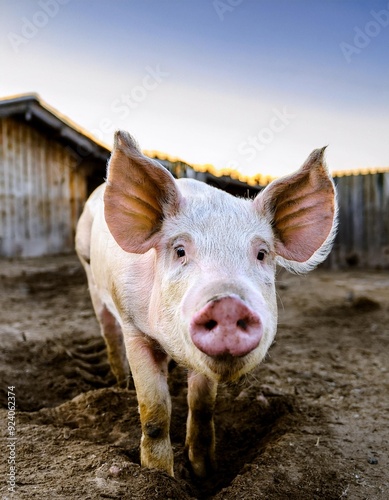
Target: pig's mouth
<point>226,359</point>
<point>227,367</point>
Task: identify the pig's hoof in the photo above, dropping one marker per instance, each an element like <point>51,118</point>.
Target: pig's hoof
<point>201,468</point>
<point>124,383</point>
<point>123,378</point>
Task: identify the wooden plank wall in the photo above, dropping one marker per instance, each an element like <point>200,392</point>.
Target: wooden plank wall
<point>41,193</point>
<point>363,235</point>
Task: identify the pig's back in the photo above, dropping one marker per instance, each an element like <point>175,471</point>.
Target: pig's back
<point>85,223</point>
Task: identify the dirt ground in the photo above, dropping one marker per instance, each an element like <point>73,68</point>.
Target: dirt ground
<point>312,422</point>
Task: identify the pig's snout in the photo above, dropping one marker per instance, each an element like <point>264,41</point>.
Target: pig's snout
<point>226,326</point>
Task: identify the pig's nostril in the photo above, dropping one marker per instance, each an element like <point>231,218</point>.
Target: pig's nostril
<point>226,327</point>
<point>210,325</point>
<point>241,323</point>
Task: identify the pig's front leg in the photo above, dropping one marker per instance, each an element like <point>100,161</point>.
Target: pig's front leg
<point>149,368</point>
<point>200,430</point>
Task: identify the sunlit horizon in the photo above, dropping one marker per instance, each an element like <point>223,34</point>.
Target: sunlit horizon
<point>253,89</point>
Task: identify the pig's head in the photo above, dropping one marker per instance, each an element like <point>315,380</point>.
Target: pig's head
<point>213,302</point>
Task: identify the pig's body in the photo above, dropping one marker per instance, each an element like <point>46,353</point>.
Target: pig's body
<point>127,287</point>
<point>180,269</point>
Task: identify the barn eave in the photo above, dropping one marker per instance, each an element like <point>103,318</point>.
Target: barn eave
<point>30,108</point>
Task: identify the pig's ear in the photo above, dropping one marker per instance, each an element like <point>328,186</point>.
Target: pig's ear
<point>140,194</point>
<point>302,209</point>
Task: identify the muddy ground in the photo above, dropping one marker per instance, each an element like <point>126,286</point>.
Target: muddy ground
<point>311,423</point>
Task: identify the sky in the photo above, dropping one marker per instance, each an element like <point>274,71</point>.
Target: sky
<point>253,85</point>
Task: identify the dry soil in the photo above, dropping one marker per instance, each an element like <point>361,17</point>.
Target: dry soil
<point>310,423</point>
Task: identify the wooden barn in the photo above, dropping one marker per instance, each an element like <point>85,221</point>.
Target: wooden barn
<point>48,165</point>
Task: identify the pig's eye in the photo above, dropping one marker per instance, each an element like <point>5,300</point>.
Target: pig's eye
<point>261,255</point>
<point>180,252</point>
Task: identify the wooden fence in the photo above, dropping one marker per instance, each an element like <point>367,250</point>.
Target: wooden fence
<point>363,234</point>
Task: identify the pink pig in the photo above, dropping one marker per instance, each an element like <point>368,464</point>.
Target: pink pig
<point>178,269</point>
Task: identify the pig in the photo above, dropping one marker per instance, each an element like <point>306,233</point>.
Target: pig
<point>179,270</point>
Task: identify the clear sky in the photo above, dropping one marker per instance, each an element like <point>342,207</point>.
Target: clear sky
<point>251,84</point>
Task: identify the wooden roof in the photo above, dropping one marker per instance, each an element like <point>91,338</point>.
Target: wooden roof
<point>31,108</point>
